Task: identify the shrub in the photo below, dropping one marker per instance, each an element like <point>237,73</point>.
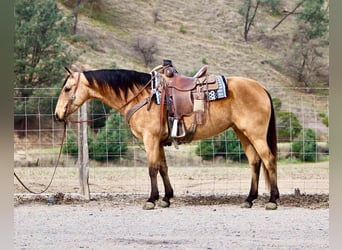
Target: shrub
<point>304,146</point>
<point>146,48</point>
<point>182,29</point>
<point>97,112</point>
<point>230,146</point>
<point>288,126</point>
<point>206,149</point>
<point>111,141</point>
<point>226,144</point>
<point>71,143</point>
<point>276,104</point>
<point>325,119</point>
<point>109,144</point>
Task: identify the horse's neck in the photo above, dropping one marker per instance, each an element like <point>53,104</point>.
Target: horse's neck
<point>110,99</point>
<point>119,103</point>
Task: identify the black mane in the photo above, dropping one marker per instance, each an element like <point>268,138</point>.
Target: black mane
<point>117,79</point>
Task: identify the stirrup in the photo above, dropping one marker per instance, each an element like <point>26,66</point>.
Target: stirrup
<point>178,129</point>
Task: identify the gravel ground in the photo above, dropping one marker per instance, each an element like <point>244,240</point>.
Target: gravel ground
<point>110,224</point>
<point>204,214</point>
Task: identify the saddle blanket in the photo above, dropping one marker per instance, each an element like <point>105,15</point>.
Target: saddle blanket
<point>219,93</point>
<point>213,94</point>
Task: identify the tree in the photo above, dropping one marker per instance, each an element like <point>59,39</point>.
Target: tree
<point>288,126</point>
<point>313,24</point>
<point>79,6</point>
<point>249,11</point>
<point>302,60</point>
<point>288,14</point>
<point>249,16</point>
<point>39,52</point>
<point>75,13</point>
<point>315,18</point>
<point>146,48</point>
<point>98,111</point>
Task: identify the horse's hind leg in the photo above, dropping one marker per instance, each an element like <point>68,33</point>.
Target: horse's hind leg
<point>270,164</point>
<point>255,163</point>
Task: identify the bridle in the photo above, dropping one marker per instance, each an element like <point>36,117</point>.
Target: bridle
<point>72,98</point>
<point>128,115</point>
<point>70,101</point>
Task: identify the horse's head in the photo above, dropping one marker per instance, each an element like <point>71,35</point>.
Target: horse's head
<point>72,96</point>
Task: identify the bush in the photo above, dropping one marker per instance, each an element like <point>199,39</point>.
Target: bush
<point>226,144</point>
<point>288,126</point>
<point>71,143</point>
<point>304,146</point>
<point>230,146</point>
<point>325,119</point>
<point>97,112</point>
<point>111,141</point>
<point>109,144</point>
<point>276,104</point>
<point>206,149</point>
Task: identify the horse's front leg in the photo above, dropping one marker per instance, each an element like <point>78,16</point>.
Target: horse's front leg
<point>156,162</point>
<point>165,176</point>
<point>154,195</point>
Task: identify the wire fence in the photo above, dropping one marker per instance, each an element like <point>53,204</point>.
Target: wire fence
<point>37,139</point>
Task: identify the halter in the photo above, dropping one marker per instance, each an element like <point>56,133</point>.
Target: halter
<point>72,97</point>
<point>131,111</point>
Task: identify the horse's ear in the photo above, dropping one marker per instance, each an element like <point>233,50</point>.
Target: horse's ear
<point>69,71</point>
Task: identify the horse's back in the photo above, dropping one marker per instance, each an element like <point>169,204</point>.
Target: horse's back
<point>246,106</point>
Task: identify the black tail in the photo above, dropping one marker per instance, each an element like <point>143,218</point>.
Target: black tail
<point>272,132</point>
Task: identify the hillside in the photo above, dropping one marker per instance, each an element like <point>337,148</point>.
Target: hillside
<point>191,33</point>
<point>212,33</point>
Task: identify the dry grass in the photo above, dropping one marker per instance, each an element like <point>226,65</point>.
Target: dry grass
<point>191,33</point>
<point>309,178</point>
<point>211,31</point>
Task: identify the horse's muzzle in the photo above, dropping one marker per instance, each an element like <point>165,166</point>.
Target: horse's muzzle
<point>58,118</point>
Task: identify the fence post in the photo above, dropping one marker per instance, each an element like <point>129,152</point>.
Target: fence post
<point>83,156</point>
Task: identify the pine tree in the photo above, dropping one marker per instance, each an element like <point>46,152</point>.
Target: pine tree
<point>39,53</point>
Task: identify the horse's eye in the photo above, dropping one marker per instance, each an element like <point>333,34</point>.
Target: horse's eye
<point>67,89</point>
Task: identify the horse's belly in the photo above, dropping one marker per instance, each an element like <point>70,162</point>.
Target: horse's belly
<point>217,120</point>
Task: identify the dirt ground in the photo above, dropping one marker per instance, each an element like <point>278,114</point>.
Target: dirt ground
<point>205,213</point>
<point>108,225</point>
<point>300,185</point>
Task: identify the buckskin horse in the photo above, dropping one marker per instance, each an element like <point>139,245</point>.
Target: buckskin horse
<point>247,108</point>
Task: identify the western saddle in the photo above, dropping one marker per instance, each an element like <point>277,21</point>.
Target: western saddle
<point>184,96</point>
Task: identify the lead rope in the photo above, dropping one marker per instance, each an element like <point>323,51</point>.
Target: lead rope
<point>64,133</point>
<point>54,172</point>
<point>72,98</point>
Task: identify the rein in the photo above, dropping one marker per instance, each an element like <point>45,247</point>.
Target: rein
<point>71,99</point>
<point>129,113</point>
<point>54,172</point>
